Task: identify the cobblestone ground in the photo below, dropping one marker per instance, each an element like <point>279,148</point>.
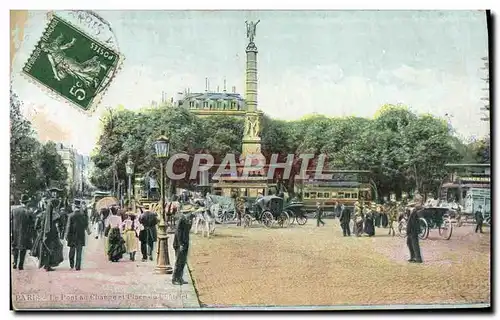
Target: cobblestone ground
<point>306,265</point>
<point>100,284</point>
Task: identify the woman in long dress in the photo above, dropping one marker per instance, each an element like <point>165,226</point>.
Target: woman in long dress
<point>130,229</point>
<point>116,244</point>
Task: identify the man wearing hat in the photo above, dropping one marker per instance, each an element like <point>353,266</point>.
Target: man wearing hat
<point>319,213</point>
<point>22,222</point>
<point>479,219</point>
<point>148,234</point>
<point>413,229</point>
<point>78,223</point>
<point>181,242</point>
<point>345,217</point>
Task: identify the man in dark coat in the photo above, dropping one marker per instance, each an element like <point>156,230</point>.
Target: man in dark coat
<point>22,222</point>
<point>412,231</point>
<point>147,236</point>
<point>78,223</point>
<point>479,219</point>
<point>181,245</point>
<point>319,214</point>
<point>345,218</point>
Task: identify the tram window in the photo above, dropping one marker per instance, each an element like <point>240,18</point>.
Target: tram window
<point>327,195</point>
<point>243,192</point>
<point>320,195</point>
<point>354,195</point>
<point>347,196</point>
<point>340,195</point>
<point>313,195</point>
<point>306,195</point>
<point>334,194</point>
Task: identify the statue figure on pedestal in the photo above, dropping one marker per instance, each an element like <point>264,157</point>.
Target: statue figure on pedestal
<point>251,28</point>
<point>252,126</point>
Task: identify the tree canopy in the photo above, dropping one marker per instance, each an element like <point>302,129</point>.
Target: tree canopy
<point>403,150</point>
<point>33,165</point>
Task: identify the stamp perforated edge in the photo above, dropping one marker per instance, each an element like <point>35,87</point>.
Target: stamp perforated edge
<point>59,97</point>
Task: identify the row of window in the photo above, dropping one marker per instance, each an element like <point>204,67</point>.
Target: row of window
<point>219,105</point>
<point>330,195</point>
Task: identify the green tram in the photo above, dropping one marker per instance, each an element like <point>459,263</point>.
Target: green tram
<point>345,187</point>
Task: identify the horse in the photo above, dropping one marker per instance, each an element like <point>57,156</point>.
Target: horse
<point>206,216</point>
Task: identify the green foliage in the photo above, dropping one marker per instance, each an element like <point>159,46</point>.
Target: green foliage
<point>403,150</point>
<point>32,164</point>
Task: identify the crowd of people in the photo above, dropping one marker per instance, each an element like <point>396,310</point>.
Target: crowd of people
<point>41,232</point>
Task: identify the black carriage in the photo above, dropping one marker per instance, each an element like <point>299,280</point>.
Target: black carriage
<point>431,218</point>
<point>272,210</point>
<point>296,212</point>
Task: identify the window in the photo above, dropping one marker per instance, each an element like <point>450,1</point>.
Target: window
<point>327,195</point>
<point>347,196</point>
<point>313,195</point>
<point>191,104</point>
<point>205,104</point>
<point>320,195</point>
<point>219,105</point>
<point>334,194</point>
<point>233,105</point>
<point>354,195</point>
<point>340,195</point>
<point>243,192</point>
<point>306,195</point>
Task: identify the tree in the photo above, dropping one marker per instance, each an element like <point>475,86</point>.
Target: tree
<point>52,165</point>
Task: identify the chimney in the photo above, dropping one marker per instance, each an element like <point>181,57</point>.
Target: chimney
<point>224,85</point>
<point>206,84</point>
<point>218,89</point>
<point>234,89</point>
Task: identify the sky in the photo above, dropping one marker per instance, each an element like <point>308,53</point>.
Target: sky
<point>337,63</point>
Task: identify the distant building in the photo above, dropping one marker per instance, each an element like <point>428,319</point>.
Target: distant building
<point>212,103</point>
<point>76,166</point>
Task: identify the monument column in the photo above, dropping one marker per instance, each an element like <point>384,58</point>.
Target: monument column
<point>251,135</point>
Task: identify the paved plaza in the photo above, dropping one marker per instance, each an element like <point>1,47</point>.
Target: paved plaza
<point>295,266</point>
<point>310,266</point>
<point>100,284</point>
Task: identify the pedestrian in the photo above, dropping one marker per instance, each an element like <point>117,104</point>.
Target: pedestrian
<point>181,244</point>
<point>131,228</point>
<point>369,228</point>
<point>358,219</point>
<point>413,230</point>
<point>116,244</point>
<point>345,218</point>
<point>479,219</point>
<point>147,235</point>
<point>22,228</point>
<point>240,208</point>
<point>47,246</point>
<point>78,224</point>
<point>319,214</point>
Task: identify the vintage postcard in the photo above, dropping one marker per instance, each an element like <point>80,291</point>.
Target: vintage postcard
<point>250,160</point>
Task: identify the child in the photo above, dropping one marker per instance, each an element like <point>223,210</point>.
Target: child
<point>130,230</point>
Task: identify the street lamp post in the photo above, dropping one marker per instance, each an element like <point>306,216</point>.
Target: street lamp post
<point>129,167</point>
<point>162,146</point>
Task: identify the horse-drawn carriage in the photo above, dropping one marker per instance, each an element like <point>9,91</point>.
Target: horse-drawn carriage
<point>296,212</point>
<point>267,210</point>
<point>430,218</point>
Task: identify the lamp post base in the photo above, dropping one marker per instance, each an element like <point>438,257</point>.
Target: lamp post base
<point>162,259</point>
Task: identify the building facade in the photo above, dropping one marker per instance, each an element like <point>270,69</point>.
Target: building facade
<point>77,167</point>
<point>213,103</point>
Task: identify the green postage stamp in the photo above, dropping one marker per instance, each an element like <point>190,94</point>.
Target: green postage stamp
<point>72,65</point>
